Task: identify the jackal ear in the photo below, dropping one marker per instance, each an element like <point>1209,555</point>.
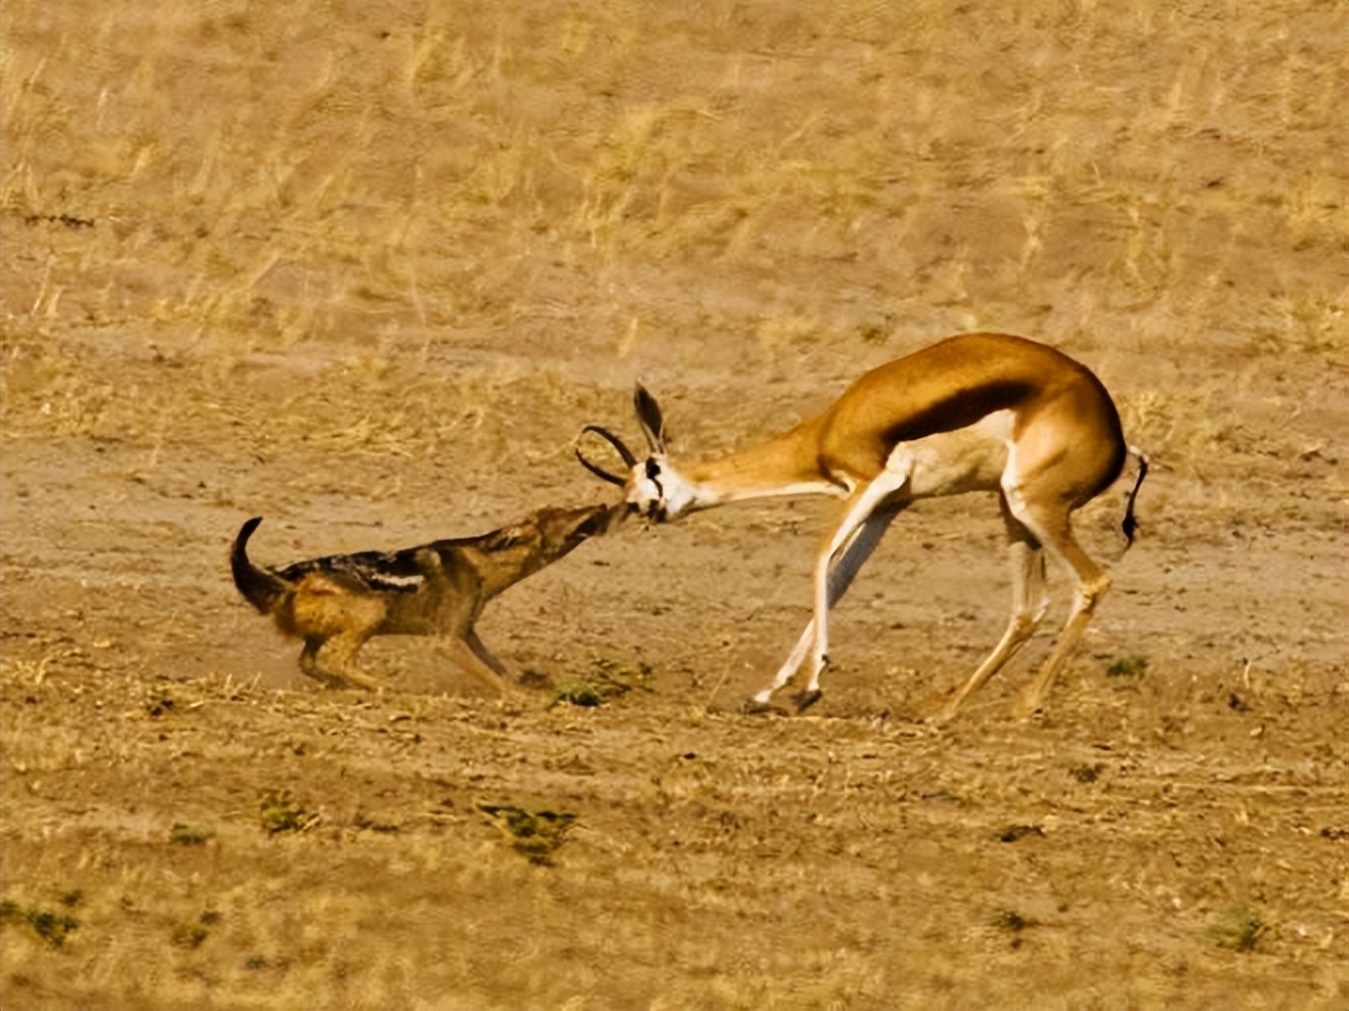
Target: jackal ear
<point>649,417</point>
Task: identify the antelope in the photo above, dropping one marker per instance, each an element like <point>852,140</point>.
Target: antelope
<point>337,603</point>
<point>974,412</point>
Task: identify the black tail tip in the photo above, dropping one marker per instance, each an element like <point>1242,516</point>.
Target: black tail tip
<point>249,526</point>
<point>1130,526</point>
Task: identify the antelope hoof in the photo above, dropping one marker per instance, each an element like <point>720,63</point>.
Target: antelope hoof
<point>1029,704</point>
<point>806,699</point>
<point>1028,710</point>
<point>944,715</point>
<point>753,707</point>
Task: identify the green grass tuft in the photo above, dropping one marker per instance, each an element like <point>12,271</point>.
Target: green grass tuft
<point>1131,666</point>
<point>535,834</point>
<point>50,926</point>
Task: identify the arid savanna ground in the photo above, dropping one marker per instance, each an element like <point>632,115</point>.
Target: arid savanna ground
<point>365,269</point>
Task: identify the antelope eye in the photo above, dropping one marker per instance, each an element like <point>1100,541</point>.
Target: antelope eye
<point>652,470</point>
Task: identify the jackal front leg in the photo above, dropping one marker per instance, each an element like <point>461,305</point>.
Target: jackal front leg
<point>503,668</point>
<point>468,653</point>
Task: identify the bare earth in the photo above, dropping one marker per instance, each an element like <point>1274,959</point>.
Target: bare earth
<point>365,269</point>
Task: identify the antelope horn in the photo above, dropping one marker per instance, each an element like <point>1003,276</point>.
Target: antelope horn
<point>618,444</point>
<point>599,472</point>
<point>629,459</point>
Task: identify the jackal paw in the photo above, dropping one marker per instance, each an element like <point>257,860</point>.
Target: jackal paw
<point>332,682</point>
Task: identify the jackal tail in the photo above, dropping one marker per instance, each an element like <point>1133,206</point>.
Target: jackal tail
<point>264,590</point>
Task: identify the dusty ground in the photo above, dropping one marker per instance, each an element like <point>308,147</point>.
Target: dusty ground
<point>365,269</point>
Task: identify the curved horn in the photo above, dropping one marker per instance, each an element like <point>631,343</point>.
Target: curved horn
<point>599,472</point>
<point>628,458</point>
<point>614,441</point>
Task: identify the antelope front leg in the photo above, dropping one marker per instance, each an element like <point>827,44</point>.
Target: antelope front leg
<point>852,548</point>
<point>838,577</point>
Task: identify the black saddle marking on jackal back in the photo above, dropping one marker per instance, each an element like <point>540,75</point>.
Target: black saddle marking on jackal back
<point>406,570</point>
<point>401,571</point>
<point>381,571</point>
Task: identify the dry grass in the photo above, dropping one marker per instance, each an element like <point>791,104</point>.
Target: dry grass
<point>683,882</point>
<point>387,186</point>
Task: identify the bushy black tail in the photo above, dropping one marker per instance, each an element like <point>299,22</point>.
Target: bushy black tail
<point>263,589</point>
<point>1130,523</point>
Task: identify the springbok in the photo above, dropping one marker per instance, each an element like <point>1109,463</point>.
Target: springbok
<point>335,604</point>
<point>974,412</point>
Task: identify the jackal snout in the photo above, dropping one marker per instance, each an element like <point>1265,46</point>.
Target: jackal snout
<point>571,526</point>
<point>545,537</point>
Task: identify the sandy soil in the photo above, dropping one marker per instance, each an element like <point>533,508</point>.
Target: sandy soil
<point>366,270</point>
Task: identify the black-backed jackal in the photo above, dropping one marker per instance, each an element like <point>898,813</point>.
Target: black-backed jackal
<point>335,604</point>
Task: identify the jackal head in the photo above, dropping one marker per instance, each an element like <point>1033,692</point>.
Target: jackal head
<point>544,537</point>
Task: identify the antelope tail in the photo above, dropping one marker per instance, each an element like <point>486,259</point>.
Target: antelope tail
<point>1130,523</point>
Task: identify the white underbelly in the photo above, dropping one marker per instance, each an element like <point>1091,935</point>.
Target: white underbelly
<point>953,463</point>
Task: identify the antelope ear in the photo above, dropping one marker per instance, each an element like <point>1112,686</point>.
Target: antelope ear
<point>649,417</point>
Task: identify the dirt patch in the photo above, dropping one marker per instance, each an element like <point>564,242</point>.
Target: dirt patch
<point>366,270</point>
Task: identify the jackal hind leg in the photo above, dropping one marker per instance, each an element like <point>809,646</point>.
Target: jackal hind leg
<point>311,668</point>
<point>337,666</point>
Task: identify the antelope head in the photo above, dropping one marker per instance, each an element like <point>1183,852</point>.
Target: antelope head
<point>652,487</point>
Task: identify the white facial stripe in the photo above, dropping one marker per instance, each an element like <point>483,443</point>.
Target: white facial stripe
<point>659,491</point>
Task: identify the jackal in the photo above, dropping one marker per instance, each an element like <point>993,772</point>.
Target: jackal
<point>337,603</point>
